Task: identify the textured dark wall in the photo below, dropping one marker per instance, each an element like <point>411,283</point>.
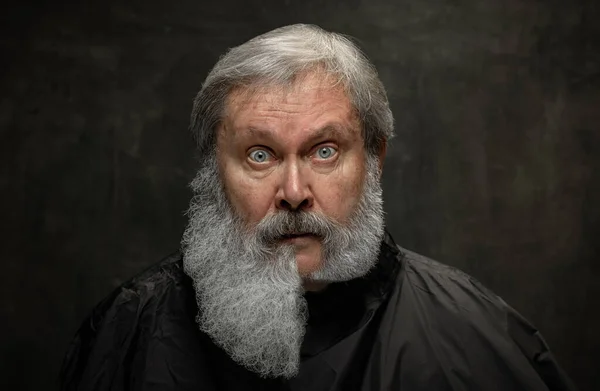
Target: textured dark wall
<point>496,167</point>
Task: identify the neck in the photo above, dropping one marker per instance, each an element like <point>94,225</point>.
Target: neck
<point>313,286</point>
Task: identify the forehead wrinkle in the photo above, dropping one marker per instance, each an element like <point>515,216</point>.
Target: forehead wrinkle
<point>316,79</point>
<point>247,99</point>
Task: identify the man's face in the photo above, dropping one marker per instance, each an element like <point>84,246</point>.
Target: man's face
<point>290,202</point>
<point>295,148</point>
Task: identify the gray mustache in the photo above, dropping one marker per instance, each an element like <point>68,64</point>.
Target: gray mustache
<point>275,226</point>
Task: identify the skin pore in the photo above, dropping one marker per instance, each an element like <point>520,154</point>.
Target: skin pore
<point>292,148</point>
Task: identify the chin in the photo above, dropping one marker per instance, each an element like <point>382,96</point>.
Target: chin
<point>307,265</point>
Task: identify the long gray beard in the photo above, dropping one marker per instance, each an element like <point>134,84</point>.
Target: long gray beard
<point>247,284</point>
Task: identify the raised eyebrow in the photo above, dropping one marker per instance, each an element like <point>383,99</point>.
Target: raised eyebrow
<point>336,130</point>
<point>327,130</point>
<point>258,132</point>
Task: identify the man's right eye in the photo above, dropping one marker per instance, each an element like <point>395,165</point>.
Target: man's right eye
<point>259,155</point>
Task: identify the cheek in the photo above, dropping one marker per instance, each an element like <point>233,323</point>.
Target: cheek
<point>343,194</point>
<point>250,199</point>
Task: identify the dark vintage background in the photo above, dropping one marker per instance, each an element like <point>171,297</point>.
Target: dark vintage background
<point>495,169</point>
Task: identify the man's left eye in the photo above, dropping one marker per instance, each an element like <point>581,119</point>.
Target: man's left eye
<point>326,152</point>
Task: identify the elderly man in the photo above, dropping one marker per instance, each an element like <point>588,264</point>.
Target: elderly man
<point>287,279</point>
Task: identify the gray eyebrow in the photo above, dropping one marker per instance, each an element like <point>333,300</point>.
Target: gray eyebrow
<point>333,129</point>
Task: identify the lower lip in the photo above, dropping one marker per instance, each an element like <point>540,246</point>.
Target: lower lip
<point>298,238</point>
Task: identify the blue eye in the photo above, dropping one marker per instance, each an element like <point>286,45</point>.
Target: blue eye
<point>326,152</point>
<point>259,155</point>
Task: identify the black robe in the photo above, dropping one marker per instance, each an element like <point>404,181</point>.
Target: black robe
<point>411,324</point>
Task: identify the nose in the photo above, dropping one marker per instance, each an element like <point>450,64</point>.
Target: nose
<point>294,192</point>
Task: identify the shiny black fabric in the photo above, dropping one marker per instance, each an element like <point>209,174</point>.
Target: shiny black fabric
<point>411,324</point>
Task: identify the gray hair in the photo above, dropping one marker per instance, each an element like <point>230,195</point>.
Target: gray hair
<point>277,58</point>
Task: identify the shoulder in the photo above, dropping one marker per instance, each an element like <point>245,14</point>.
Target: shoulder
<point>420,268</point>
<point>123,325</point>
<point>143,290</point>
<point>442,316</point>
<point>418,276</point>
<point>451,288</point>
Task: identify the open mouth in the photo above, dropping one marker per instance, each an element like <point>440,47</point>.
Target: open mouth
<point>296,235</point>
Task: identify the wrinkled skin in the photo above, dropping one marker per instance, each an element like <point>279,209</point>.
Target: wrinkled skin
<point>292,148</point>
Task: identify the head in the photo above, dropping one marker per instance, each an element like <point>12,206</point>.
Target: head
<point>292,128</point>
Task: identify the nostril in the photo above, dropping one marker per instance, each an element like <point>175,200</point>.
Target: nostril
<point>284,204</point>
<point>303,204</point>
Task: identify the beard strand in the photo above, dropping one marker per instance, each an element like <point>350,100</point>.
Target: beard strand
<point>248,289</point>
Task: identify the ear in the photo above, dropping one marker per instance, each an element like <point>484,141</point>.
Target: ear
<point>381,155</point>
